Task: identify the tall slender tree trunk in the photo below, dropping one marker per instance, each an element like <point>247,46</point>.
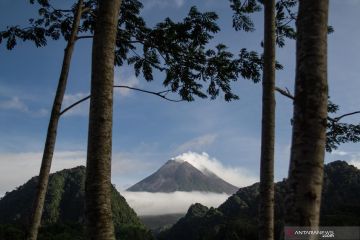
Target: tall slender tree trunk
<point>310,113</point>
<point>38,204</point>
<point>266,209</point>
<point>99,222</point>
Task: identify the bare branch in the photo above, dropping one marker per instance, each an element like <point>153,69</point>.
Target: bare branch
<point>287,93</point>
<point>161,94</point>
<point>345,115</point>
<point>74,104</point>
<point>86,9</point>
<point>84,37</point>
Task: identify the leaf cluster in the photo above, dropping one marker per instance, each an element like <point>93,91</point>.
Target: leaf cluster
<point>284,21</point>
<point>339,132</point>
<point>51,23</point>
<point>242,11</point>
<point>177,49</point>
<point>284,18</point>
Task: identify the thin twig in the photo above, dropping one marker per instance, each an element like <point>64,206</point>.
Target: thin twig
<point>345,115</point>
<point>287,93</point>
<point>292,15</point>
<point>74,104</point>
<point>159,94</point>
<point>84,37</point>
<point>148,61</point>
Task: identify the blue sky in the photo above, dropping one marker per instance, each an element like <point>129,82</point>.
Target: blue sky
<point>148,130</point>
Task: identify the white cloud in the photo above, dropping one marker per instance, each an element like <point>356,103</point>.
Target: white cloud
<point>123,163</point>
<point>19,105</point>
<point>16,168</point>
<point>150,4</point>
<point>340,153</point>
<point>197,144</point>
<point>239,177</point>
<point>352,158</point>
<point>355,162</point>
<point>81,109</point>
<point>146,203</point>
<point>14,104</point>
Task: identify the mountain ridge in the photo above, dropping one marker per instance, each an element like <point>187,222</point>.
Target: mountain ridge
<point>237,217</point>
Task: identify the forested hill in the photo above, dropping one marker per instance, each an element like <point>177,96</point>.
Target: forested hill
<point>237,217</point>
<point>64,205</point>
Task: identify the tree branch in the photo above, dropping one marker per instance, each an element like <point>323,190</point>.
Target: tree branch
<point>74,104</point>
<point>287,93</point>
<point>84,37</point>
<point>336,119</point>
<point>161,94</point>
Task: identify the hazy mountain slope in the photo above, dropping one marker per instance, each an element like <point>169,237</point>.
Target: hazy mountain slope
<point>236,218</point>
<point>182,176</point>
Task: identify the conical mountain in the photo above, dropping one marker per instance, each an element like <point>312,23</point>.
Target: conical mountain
<point>177,175</point>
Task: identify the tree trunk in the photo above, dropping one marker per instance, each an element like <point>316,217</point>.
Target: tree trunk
<point>99,224</point>
<point>310,113</point>
<point>266,209</point>
<point>52,131</point>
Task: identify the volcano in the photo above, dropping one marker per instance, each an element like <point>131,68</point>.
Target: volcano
<point>177,175</point>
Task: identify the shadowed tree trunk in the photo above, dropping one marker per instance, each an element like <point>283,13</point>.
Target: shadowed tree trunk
<point>52,131</point>
<point>310,112</point>
<point>99,223</point>
<point>266,208</point>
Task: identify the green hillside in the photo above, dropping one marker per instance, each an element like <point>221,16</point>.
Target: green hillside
<point>63,216</point>
<point>237,217</point>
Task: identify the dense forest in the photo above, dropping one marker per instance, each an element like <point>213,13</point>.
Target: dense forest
<point>64,215</point>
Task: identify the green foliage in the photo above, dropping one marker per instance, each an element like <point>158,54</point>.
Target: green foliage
<point>53,200</point>
<point>242,10</point>
<point>131,231</point>
<point>62,232</point>
<point>284,21</point>
<point>63,216</point>
<point>11,232</point>
<point>339,132</point>
<point>72,231</point>
<point>122,212</point>
<point>178,49</point>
